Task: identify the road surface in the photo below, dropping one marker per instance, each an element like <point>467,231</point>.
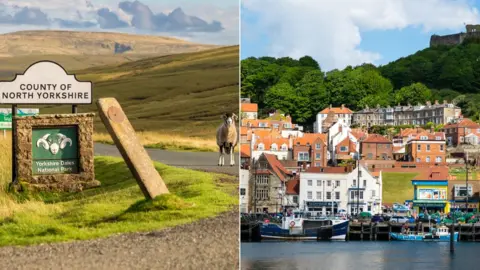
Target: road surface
<point>204,161</point>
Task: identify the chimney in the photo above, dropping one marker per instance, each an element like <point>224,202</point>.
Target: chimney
<point>330,106</point>
<point>366,107</point>
<point>429,103</point>
<point>409,105</point>
<point>436,102</point>
<point>343,106</point>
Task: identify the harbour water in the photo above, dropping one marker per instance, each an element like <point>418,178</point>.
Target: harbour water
<point>359,255</point>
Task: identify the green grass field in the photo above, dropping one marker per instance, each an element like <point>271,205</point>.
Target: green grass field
<point>181,94</point>
<point>397,187</point>
<point>117,206</point>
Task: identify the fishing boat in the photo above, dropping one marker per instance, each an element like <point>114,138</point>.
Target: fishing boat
<point>299,226</point>
<point>440,234</point>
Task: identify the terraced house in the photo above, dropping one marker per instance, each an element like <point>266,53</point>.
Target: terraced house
<point>429,147</point>
<point>420,114</point>
<point>310,150</point>
<point>336,113</point>
<point>377,147</point>
<point>462,131</point>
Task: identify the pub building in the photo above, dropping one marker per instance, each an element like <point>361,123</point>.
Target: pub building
<point>457,192</point>
<point>430,190</point>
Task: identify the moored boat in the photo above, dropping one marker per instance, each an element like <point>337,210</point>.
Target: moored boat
<point>440,234</point>
<point>297,226</point>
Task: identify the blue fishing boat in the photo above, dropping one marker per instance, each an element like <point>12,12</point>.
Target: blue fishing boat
<point>297,226</point>
<point>440,234</point>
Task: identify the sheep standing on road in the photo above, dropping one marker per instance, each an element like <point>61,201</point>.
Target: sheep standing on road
<point>227,138</point>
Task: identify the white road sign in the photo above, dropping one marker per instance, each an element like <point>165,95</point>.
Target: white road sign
<point>45,82</point>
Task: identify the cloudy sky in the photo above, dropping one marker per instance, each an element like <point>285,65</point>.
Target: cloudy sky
<point>349,32</point>
<point>206,21</point>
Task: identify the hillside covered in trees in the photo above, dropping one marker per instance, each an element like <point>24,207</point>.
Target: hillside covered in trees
<point>302,89</point>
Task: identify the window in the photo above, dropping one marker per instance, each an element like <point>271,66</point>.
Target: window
<point>329,195</point>
<point>337,195</point>
<point>361,195</point>
<point>370,156</point>
<point>418,160</point>
<point>309,195</point>
<point>317,155</point>
<point>329,183</point>
<point>263,179</point>
<point>441,147</point>
<point>343,148</point>
<point>303,156</point>
<point>423,138</point>
<point>319,195</point>
<point>337,183</point>
<point>317,146</point>
<point>352,195</point>
<point>275,126</point>
<point>261,194</point>
<point>242,191</point>
<point>428,147</point>
<point>438,138</point>
<point>360,173</point>
<point>438,159</point>
<point>419,147</point>
<point>373,193</point>
<point>369,208</point>
<point>427,159</point>
<point>461,190</point>
<point>310,182</point>
<point>261,124</point>
<point>317,164</point>
<point>354,182</point>
<point>319,183</point>
<point>274,147</point>
<point>261,147</point>
<point>364,182</point>
<point>295,199</point>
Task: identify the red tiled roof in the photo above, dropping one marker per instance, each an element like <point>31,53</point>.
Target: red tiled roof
<point>293,187</point>
<point>310,138</point>
<point>358,134</point>
<point>327,170</point>
<point>433,173</point>
<point>431,136</point>
<point>409,131</point>
<point>337,110</point>
<point>249,107</point>
<point>269,141</point>
<point>466,122</point>
<point>376,138</point>
<point>277,167</point>
<point>243,130</point>
<point>245,151</point>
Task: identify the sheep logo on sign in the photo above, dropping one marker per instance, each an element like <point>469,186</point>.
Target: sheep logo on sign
<point>54,145</point>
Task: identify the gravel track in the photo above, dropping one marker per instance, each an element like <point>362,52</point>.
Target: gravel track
<point>206,244</point>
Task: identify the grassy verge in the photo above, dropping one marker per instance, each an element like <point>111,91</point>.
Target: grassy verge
<point>167,142</point>
<point>397,187</point>
<point>118,206</point>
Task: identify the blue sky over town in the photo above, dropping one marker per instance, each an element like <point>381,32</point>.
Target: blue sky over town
<point>349,32</point>
<point>206,21</point>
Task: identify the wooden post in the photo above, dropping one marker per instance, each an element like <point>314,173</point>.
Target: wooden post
<point>474,229</point>
<point>74,109</point>
<point>14,164</point>
<point>361,230</point>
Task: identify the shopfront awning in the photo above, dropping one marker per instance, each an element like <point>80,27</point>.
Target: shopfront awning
<point>420,203</point>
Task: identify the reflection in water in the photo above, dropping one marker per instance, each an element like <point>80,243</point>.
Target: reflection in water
<point>359,255</point>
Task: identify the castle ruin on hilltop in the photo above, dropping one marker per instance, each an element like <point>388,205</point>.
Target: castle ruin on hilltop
<point>473,30</point>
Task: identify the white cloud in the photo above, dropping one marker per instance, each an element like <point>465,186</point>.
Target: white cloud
<point>330,31</point>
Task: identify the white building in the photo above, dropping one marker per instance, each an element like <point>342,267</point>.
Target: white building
<point>277,146</point>
<point>244,178</point>
<point>323,190</point>
<point>249,111</point>
<point>365,194</point>
<point>341,113</point>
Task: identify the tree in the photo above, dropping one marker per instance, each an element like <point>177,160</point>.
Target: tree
<point>413,94</point>
<point>308,61</point>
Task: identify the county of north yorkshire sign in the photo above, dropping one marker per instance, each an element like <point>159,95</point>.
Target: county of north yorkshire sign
<point>45,82</point>
<point>54,150</point>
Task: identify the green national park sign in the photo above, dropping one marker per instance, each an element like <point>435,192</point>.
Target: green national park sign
<point>55,150</point>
